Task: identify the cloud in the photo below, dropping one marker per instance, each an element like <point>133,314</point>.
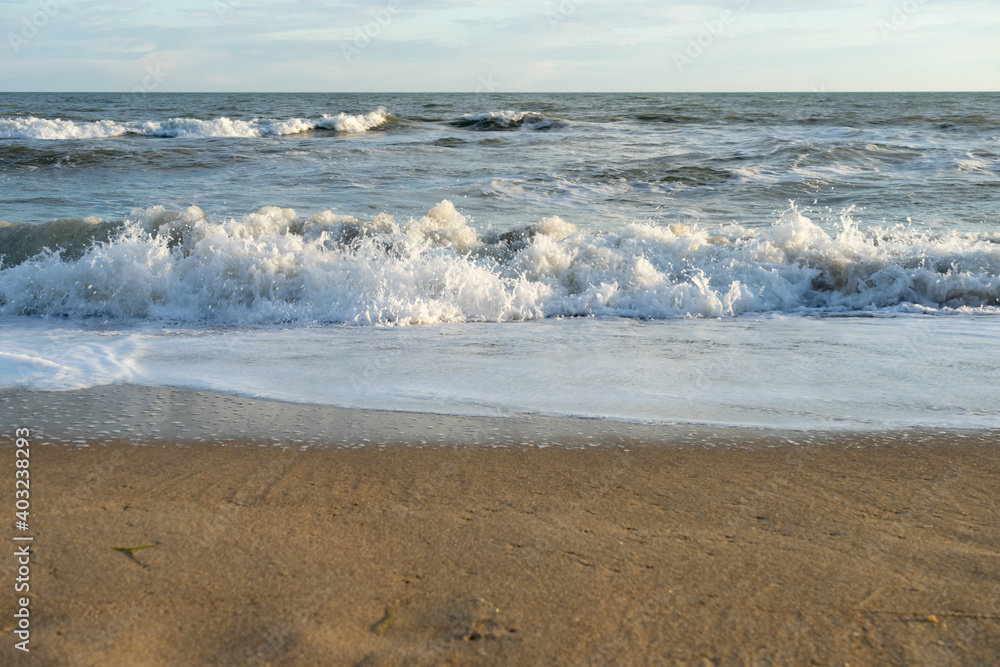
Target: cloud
<point>286,45</point>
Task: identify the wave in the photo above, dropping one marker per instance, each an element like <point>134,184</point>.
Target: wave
<point>692,175</point>
<point>869,118</point>
<point>54,155</point>
<point>272,266</point>
<point>30,127</point>
<point>508,120</point>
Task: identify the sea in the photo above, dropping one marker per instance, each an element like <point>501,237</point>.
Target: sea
<point>813,261</point>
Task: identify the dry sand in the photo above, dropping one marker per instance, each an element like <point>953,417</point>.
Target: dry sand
<point>704,547</point>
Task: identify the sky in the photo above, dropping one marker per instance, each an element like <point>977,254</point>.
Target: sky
<point>493,46</point>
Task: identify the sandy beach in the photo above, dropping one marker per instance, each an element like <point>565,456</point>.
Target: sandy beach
<point>699,546</point>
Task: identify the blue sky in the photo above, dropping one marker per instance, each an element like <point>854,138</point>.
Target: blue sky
<point>543,45</point>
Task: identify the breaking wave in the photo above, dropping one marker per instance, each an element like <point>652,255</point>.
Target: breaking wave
<point>43,128</point>
<point>31,127</point>
<point>273,266</point>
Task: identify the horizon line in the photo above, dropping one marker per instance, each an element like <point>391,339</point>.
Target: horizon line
<point>491,93</point>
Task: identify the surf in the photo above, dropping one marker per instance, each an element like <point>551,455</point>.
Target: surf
<point>273,266</point>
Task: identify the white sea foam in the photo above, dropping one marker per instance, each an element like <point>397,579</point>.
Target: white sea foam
<point>346,123</point>
<point>973,163</point>
<point>273,266</point>
<point>43,359</point>
<point>43,128</point>
<point>785,372</point>
<point>29,127</point>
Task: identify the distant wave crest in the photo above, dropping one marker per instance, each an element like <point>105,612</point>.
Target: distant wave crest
<point>508,120</point>
<point>29,127</point>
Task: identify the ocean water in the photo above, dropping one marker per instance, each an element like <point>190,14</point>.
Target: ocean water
<point>796,261</point>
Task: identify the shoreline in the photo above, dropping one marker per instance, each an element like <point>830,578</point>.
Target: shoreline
<point>703,547</point>
<point>167,415</point>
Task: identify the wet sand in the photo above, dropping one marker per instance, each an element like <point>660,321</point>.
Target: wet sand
<point>609,546</point>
